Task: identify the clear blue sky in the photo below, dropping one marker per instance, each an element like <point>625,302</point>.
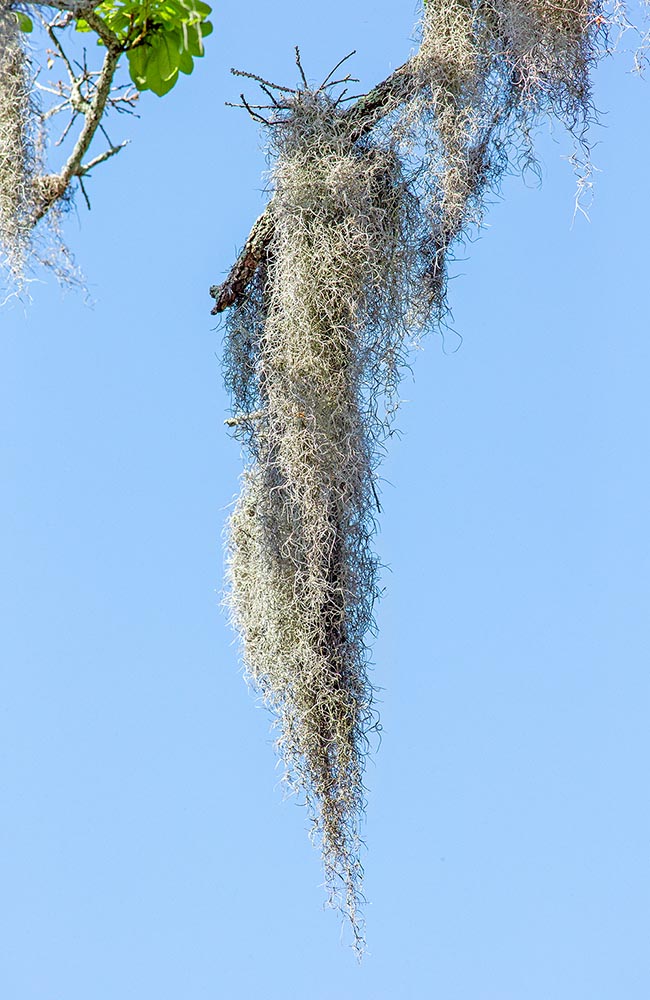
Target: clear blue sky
<point>146,852</point>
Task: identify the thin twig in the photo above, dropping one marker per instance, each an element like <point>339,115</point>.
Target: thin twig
<point>51,90</point>
<point>57,109</point>
<point>333,71</point>
<point>256,107</point>
<point>302,72</point>
<point>270,95</point>
<point>73,118</point>
<point>59,48</point>
<point>105,134</point>
<point>344,79</point>
<point>243,418</point>
<point>252,113</point>
<point>85,193</point>
<point>374,490</point>
<point>260,79</point>
<point>106,155</point>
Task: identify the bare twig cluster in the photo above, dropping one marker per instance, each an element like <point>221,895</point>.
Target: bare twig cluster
<point>351,256</point>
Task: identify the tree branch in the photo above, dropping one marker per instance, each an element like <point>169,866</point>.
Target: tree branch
<point>106,155</point>
<point>363,116</point>
<point>244,418</point>
<point>84,9</point>
<point>78,9</point>
<point>54,186</point>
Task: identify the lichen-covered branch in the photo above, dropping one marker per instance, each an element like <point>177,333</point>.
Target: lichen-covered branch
<point>50,188</point>
<point>83,9</point>
<point>53,186</point>
<point>106,155</point>
<point>244,268</point>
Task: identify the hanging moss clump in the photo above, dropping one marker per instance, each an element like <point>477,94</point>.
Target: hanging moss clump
<point>17,145</point>
<point>308,357</point>
<point>364,220</point>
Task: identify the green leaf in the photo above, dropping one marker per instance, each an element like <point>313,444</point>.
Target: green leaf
<point>155,82</point>
<point>197,7</point>
<point>138,59</point>
<point>24,23</point>
<point>185,63</point>
<point>169,33</point>
<point>195,35</point>
<point>117,22</point>
<point>165,55</point>
<point>174,10</point>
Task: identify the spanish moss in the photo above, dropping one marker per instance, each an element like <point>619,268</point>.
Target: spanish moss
<point>363,230</point>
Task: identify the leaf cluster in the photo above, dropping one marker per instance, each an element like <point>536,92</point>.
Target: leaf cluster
<point>161,38</point>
